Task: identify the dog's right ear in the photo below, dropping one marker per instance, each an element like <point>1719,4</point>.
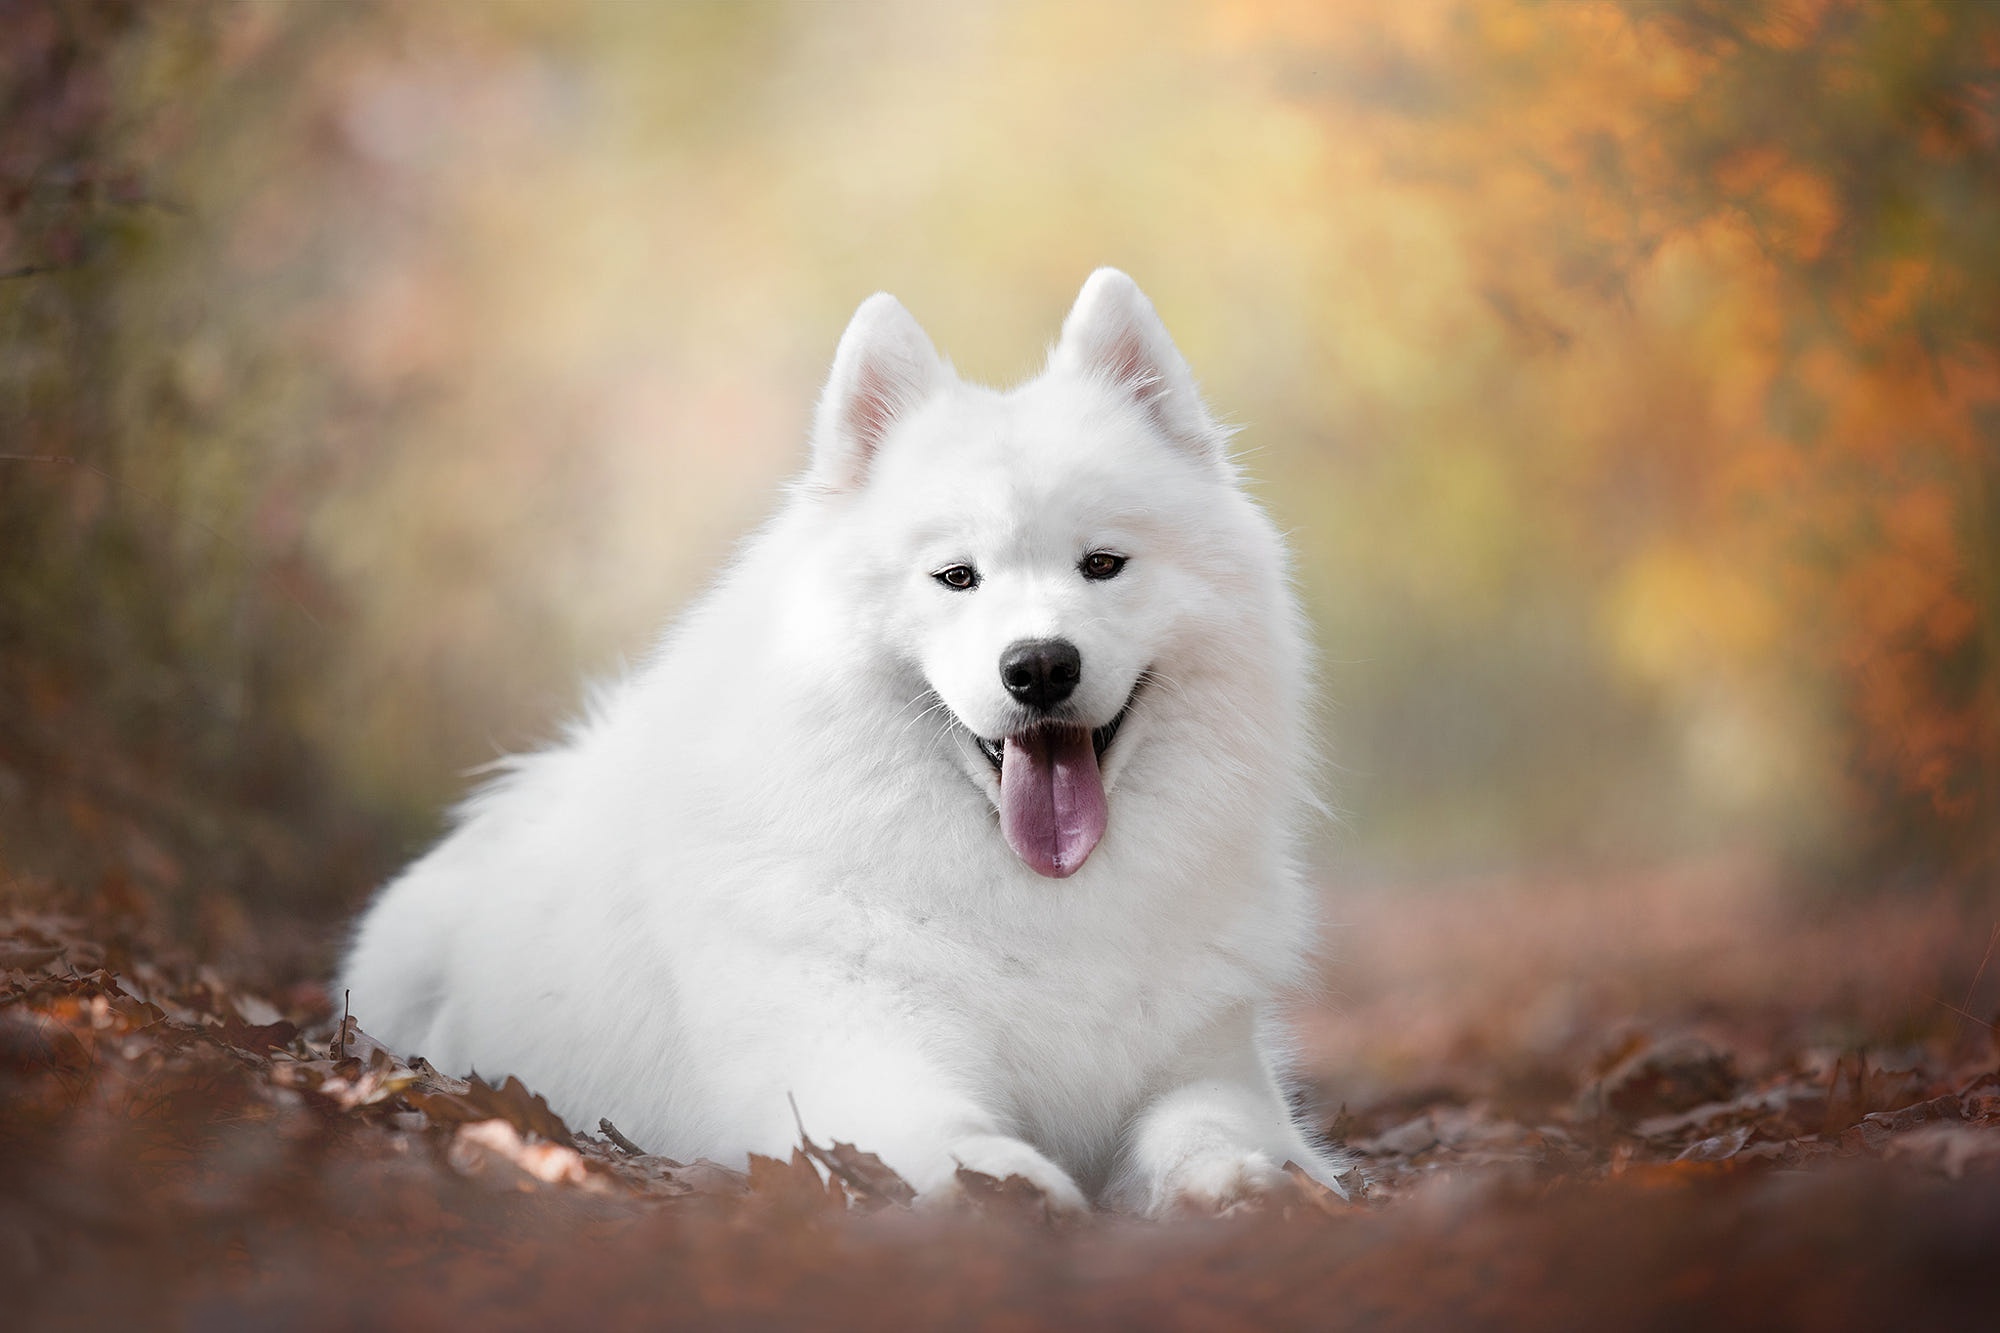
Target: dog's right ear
<point>884,368</point>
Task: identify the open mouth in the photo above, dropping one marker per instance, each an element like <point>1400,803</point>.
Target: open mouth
<point>1052,807</point>
<point>1100,738</point>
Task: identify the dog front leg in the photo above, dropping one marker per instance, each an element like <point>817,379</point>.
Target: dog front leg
<point>910,1114</point>
<point>1218,1133</point>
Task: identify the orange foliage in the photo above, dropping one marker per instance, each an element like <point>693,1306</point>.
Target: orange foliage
<point>1826,473</point>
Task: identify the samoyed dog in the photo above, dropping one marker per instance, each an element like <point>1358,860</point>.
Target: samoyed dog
<point>962,810</point>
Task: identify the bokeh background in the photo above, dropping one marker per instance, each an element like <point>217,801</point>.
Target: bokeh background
<point>1624,373</point>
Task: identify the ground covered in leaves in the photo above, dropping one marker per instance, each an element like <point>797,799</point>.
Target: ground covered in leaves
<point>1569,1134</point>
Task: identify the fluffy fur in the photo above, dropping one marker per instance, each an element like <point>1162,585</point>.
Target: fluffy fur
<point>770,861</point>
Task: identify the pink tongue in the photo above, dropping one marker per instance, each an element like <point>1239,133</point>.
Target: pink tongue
<point>1051,799</point>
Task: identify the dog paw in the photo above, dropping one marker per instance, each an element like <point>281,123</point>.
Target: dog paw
<point>1216,1183</point>
<point>995,1164</point>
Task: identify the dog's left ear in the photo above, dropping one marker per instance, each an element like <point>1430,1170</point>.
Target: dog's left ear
<point>1114,333</point>
<point>884,367</point>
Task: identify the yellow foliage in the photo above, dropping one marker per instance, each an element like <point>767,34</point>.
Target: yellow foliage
<point>1675,613</point>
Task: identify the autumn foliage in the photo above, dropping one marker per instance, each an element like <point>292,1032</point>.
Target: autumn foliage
<point>1623,373</point>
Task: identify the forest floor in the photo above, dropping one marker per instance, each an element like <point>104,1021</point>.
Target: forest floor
<point>1681,1100</point>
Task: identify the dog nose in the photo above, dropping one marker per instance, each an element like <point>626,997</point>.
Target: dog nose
<point>1041,672</point>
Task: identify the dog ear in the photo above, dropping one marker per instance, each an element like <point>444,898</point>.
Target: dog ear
<point>885,366</point>
<point>1114,334</point>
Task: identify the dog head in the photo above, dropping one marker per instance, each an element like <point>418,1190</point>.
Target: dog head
<point>1044,555</point>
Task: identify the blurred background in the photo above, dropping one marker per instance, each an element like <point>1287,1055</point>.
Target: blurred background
<point>1624,374</point>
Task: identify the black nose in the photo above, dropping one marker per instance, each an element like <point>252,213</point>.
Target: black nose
<point>1041,672</point>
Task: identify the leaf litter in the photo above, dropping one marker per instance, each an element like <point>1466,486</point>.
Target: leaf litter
<point>175,1143</point>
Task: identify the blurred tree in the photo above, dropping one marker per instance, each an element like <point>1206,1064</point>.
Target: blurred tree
<point>149,646</point>
<point>1859,145</point>
<point>1624,371</point>
<point>1789,209</point>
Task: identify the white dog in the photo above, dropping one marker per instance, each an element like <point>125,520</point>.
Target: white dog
<point>962,809</point>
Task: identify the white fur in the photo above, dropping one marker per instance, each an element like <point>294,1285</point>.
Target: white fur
<point>770,862</point>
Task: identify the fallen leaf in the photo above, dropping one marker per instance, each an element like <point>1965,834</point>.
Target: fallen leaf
<point>1405,1140</point>
<point>1910,1117</point>
<point>259,1038</point>
<point>794,1184</point>
<point>350,1042</point>
<point>25,956</point>
<point>526,1111</point>
<point>1016,1196</point>
<point>872,1181</point>
<point>1948,1149</point>
<point>1718,1148</point>
<point>1672,1076</point>
<point>550,1163</point>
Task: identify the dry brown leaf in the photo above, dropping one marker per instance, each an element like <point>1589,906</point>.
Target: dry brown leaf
<point>794,1184</point>
<point>1405,1140</point>
<point>526,1111</point>
<point>350,1042</point>
<point>1717,1148</point>
<point>430,1080</point>
<point>1922,1113</point>
<point>1948,1149</point>
<point>665,1176</point>
<point>1015,1197</point>
<point>25,956</point>
<point>550,1163</point>
<point>871,1181</point>
<point>870,1174</point>
<point>259,1038</point>
<point>1658,1079</point>
<point>349,1084</point>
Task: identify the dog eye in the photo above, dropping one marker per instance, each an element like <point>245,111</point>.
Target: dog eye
<point>1101,565</point>
<point>959,578</point>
